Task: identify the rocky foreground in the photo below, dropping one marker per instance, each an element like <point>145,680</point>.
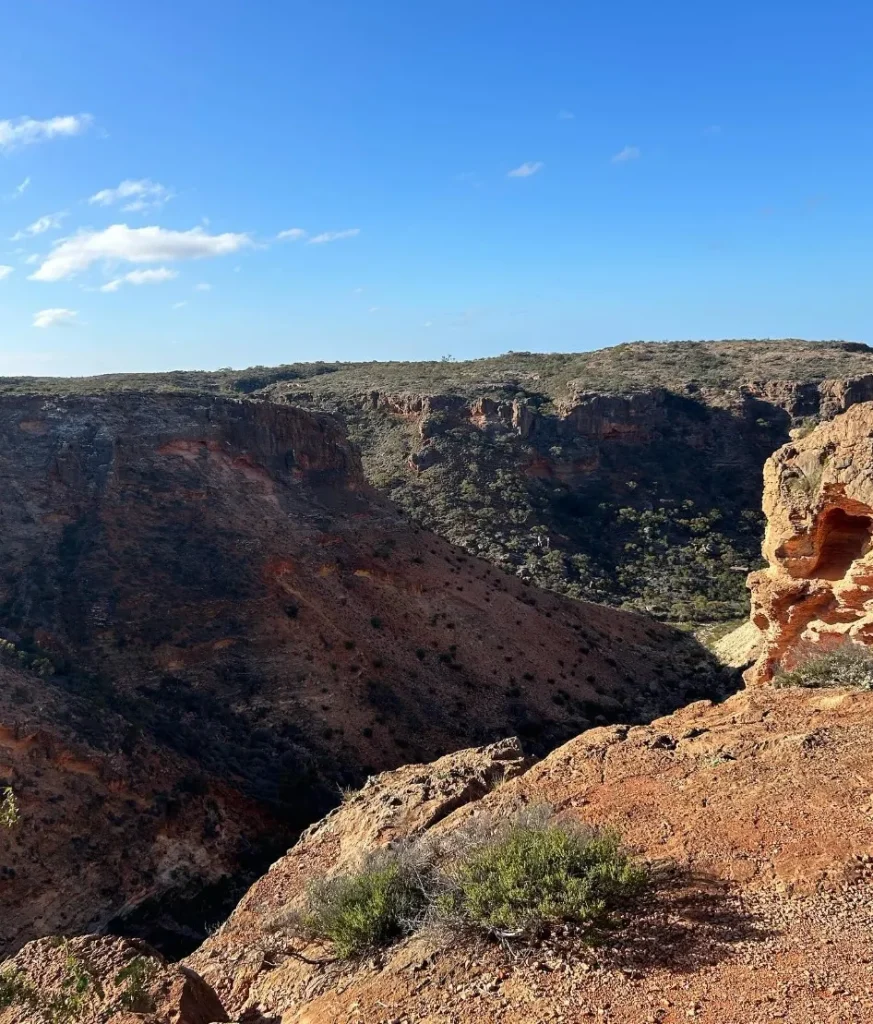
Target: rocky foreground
<point>757,815</point>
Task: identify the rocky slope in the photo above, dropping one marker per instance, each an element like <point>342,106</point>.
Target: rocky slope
<point>758,812</point>
<point>629,475</point>
<point>817,591</point>
<point>210,623</point>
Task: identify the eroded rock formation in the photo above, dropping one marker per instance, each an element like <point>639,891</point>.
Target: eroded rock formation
<point>238,627</point>
<point>817,592</point>
<point>760,805</point>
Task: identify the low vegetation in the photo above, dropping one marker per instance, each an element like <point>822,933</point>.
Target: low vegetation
<point>79,993</point>
<point>9,812</point>
<point>359,912</point>
<point>669,531</point>
<point>525,877</point>
<point>511,879</point>
<point>848,665</point>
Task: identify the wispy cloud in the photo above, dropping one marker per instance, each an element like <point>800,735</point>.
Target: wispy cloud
<point>50,222</point>
<point>203,286</point>
<point>54,318</point>
<point>333,236</point>
<point>134,245</point>
<point>526,170</point>
<point>291,235</point>
<point>19,190</point>
<point>5,272</point>
<point>25,131</point>
<point>140,277</point>
<point>136,196</point>
<point>179,305</point>
<point>565,115</point>
<point>628,153</point>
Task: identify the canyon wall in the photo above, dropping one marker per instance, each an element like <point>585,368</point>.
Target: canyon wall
<point>210,624</point>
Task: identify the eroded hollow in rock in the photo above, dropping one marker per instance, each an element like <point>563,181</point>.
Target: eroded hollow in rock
<point>844,539</point>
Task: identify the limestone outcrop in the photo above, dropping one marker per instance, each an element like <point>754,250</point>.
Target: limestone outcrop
<point>817,592</point>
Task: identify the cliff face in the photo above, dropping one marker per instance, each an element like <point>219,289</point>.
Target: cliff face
<point>212,623</point>
<point>757,812</point>
<point>647,497</point>
<point>817,591</point>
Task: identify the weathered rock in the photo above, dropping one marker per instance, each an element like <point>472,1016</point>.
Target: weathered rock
<point>759,807</point>
<point>817,592</point>
<point>240,627</point>
<point>104,980</point>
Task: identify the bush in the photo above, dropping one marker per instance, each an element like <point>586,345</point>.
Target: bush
<point>9,813</point>
<point>849,665</point>
<point>527,875</point>
<point>510,879</point>
<point>373,907</point>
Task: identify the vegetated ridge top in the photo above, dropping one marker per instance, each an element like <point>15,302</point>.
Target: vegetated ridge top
<point>553,376</point>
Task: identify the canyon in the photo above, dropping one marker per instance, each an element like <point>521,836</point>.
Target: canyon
<point>310,612</point>
<point>212,625</point>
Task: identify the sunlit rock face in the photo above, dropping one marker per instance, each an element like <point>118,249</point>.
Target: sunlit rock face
<point>817,592</point>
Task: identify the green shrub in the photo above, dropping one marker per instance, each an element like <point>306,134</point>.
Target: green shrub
<point>849,665</point>
<point>526,876</point>
<point>511,879</point>
<point>14,990</point>
<point>359,912</point>
<point>136,977</point>
<point>9,813</point>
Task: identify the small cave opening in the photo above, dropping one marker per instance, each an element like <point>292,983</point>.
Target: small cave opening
<point>844,539</point>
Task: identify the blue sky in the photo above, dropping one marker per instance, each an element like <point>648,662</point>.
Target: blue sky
<point>683,170</point>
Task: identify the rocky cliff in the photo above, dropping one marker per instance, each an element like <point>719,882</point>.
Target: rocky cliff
<point>636,482</point>
<point>755,813</point>
<point>210,624</point>
<point>817,591</point>
<point>629,475</point>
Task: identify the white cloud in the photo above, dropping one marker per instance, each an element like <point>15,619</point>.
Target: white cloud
<point>134,245</point>
<point>25,131</point>
<point>54,317</point>
<point>138,277</point>
<point>50,222</point>
<point>19,190</point>
<point>203,286</point>
<point>141,195</point>
<point>33,258</point>
<point>291,235</point>
<point>5,272</point>
<point>179,305</point>
<point>566,115</point>
<point>526,170</point>
<point>375,309</point>
<point>628,153</point>
<point>334,236</point>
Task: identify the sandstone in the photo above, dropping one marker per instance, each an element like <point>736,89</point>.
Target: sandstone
<point>238,628</point>
<point>764,850</point>
<point>817,592</point>
<point>105,980</point>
